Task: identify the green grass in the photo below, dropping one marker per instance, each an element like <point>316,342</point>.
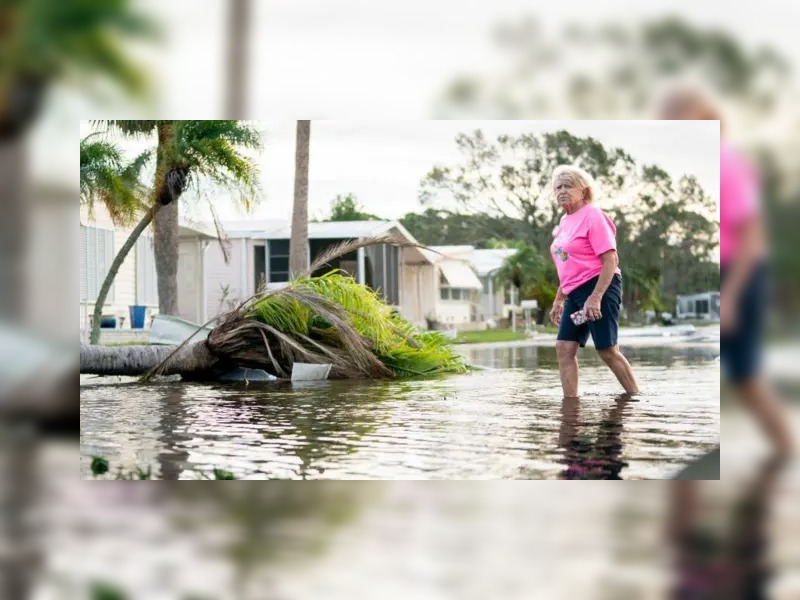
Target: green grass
<point>547,329</point>
<point>490,335</point>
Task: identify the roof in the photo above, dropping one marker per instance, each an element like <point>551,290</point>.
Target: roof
<point>266,229</point>
<point>282,230</point>
<point>459,274</point>
<point>186,227</point>
<point>487,261</point>
<point>483,262</point>
<point>189,229</point>
<point>459,252</point>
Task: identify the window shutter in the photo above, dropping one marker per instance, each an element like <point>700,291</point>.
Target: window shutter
<point>83,266</point>
<point>97,254</point>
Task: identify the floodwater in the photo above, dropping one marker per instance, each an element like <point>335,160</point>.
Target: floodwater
<point>508,421</point>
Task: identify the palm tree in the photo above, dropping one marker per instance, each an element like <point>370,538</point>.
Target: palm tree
<point>298,253</point>
<point>237,63</point>
<point>43,44</point>
<point>105,178</point>
<point>197,156</point>
<point>328,319</point>
<point>530,273</point>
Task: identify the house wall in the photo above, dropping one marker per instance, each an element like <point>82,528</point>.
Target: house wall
<point>236,275</point>
<point>417,292</point>
<point>192,304</point>
<point>486,308</point>
<point>451,311</point>
<point>124,288</point>
<point>135,281</point>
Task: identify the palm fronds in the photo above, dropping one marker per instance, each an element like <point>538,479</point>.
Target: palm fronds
<point>105,177</point>
<point>329,319</point>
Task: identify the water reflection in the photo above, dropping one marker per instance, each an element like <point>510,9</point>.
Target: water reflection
<point>168,540</point>
<point>284,430</point>
<point>731,561</point>
<point>590,456</point>
<point>494,424</point>
<point>172,428</point>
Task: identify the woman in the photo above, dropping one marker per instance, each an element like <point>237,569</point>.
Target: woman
<point>743,252</point>
<point>584,250</point>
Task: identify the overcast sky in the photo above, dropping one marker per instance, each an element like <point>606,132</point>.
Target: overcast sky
<point>357,61</point>
<point>382,162</point>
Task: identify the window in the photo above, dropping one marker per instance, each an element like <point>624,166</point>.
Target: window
<point>146,286</point>
<point>701,307</point>
<point>448,293</point>
<point>96,255</point>
<point>278,260</point>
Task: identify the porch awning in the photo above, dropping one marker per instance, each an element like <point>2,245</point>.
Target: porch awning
<point>459,275</point>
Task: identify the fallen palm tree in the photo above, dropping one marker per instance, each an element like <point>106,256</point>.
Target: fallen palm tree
<point>328,319</point>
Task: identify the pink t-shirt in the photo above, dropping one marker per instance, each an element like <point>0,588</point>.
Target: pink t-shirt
<point>738,199</point>
<point>578,242</point>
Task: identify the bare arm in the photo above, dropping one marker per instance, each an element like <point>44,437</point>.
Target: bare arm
<point>610,263</point>
<point>560,297</point>
<point>752,250</point>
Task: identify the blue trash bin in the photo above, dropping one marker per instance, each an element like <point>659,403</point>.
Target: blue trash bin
<point>137,316</point>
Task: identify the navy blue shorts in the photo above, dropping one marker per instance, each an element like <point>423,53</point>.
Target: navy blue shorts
<point>604,331</point>
<point>740,350</point>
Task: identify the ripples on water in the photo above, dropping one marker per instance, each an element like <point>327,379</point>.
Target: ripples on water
<point>505,422</point>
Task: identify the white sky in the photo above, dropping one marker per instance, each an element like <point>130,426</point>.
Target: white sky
<point>382,162</point>
<point>359,61</point>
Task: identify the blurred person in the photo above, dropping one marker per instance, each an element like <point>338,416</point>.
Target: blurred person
<point>584,250</point>
<point>743,271</point>
<point>584,457</point>
<point>732,563</point>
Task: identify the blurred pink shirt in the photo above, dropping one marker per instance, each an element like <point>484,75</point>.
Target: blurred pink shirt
<point>738,199</point>
<point>578,242</point>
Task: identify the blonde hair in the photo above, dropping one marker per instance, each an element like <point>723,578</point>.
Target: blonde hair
<point>578,177</point>
<point>681,98</point>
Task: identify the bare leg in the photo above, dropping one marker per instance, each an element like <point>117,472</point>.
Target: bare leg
<point>761,401</point>
<point>621,368</point>
<point>568,367</point>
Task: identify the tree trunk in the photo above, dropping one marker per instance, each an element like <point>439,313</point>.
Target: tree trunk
<point>237,64</point>
<point>166,235</point>
<point>19,449</point>
<point>192,359</point>
<point>13,229</point>
<point>298,252</point>
<point>94,338</point>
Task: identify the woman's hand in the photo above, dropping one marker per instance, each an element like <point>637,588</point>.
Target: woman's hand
<point>592,307</point>
<point>556,312</point>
